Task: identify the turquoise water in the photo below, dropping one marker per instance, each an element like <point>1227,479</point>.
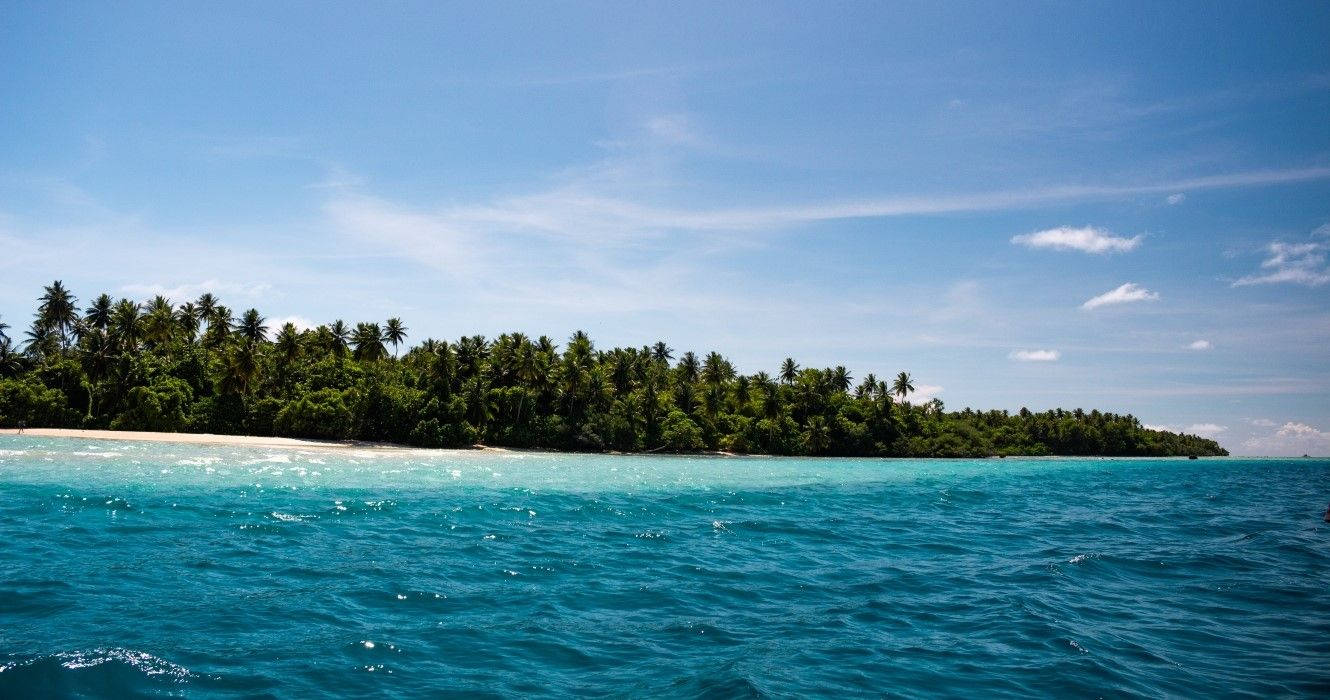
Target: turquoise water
<point>161,569</point>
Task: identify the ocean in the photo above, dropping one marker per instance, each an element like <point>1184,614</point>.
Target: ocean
<point>156,569</point>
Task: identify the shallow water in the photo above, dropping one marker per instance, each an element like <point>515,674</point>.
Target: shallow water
<point>161,569</point>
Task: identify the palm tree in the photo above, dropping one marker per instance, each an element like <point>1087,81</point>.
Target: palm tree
<point>866,387</point>
<point>340,336</point>
<point>42,340</point>
<point>660,352</point>
<point>219,326</point>
<point>252,327</point>
<point>789,371</point>
<point>840,379</point>
<point>99,314</point>
<point>11,362</point>
<point>57,310</point>
<point>688,367</point>
<point>368,342</point>
<point>126,326</point>
<point>716,370</point>
<point>394,332</point>
<point>160,323</point>
<point>207,303</point>
<point>288,342</point>
<point>187,319</point>
<point>903,385</point>
<point>3,338</point>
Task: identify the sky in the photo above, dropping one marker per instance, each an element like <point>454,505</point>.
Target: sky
<point>1122,206</point>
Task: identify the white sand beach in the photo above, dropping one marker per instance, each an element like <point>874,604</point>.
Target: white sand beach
<point>198,438</point>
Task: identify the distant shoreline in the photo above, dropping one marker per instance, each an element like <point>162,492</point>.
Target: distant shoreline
<point>298,443</point>
<point>208,439</point>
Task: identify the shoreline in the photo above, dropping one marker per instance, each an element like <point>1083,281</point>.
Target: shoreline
<point>306,443</point>
<point>215,439</point>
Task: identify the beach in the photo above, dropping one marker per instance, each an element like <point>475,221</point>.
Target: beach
<point>200,439</point>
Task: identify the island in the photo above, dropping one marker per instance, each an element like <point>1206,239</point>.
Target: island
<point>195,367</point>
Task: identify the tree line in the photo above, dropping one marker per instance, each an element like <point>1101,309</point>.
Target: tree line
<point>197,367</point>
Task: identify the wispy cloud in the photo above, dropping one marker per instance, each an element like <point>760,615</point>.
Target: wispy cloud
<point>1200,345</point>
<point>1292,263</point>
<point>1087,239</point>
<point>1176,198</point>
<point>180,293</point>
<point>1125,294</point>
<point>1034,355</point>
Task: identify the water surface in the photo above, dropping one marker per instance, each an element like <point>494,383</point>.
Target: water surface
<point>156,569</point>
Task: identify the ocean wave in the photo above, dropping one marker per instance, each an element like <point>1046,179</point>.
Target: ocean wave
<point>99,672</point>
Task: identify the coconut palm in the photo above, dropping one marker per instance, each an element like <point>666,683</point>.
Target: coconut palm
<point>394,332</point>
<point>716,370</point>
<point>58,311</point>
<point>288,342</point>
<point>368,342</point>
<point>159,325</point>
<point>42,340</point>
<point>3,338</point>
<point>187,320</point>
<point>840,379</point>
<point>206,304</point>
<point>98,315</point>
<point>903,385</point>
<point>252,327</point>
<point>11,362</point>
<point>789,371</point>
<point>660,352</point>
<point>340,337</point>
<point>688,367</point>
<point>126,328</point>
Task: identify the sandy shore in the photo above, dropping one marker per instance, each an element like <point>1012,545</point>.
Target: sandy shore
<point>198,438</point>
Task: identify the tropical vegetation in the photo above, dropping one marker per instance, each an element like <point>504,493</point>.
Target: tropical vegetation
<point>197,367</point>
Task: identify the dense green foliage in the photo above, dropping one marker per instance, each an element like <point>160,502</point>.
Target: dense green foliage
<point>193,367</point>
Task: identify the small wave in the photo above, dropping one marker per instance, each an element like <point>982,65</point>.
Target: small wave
<point>13,453</point>
<point>270,459</point>
<point>199,462</point>
<point>110,672</point>
<point>80,453</point>
<point>289,518</point>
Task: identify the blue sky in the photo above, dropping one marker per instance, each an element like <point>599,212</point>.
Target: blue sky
<point>928,187</point>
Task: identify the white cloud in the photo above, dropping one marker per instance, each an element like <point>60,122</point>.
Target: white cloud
<point>1293,263</point>
<point>182,293</point>
<point>1205,430</point>
<point>300,322</point>
<point>1262,422</point>
<point>1086,240</point>
<point>1035,355</point>
<point>1176,198</point>
<point>1291,439</point>
<point>925,392</point>
<point>1322,231</point>
<point>1124,294</point>
<point>1200,345</point>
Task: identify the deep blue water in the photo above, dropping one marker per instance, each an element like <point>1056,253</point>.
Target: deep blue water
<point>162,569</point>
